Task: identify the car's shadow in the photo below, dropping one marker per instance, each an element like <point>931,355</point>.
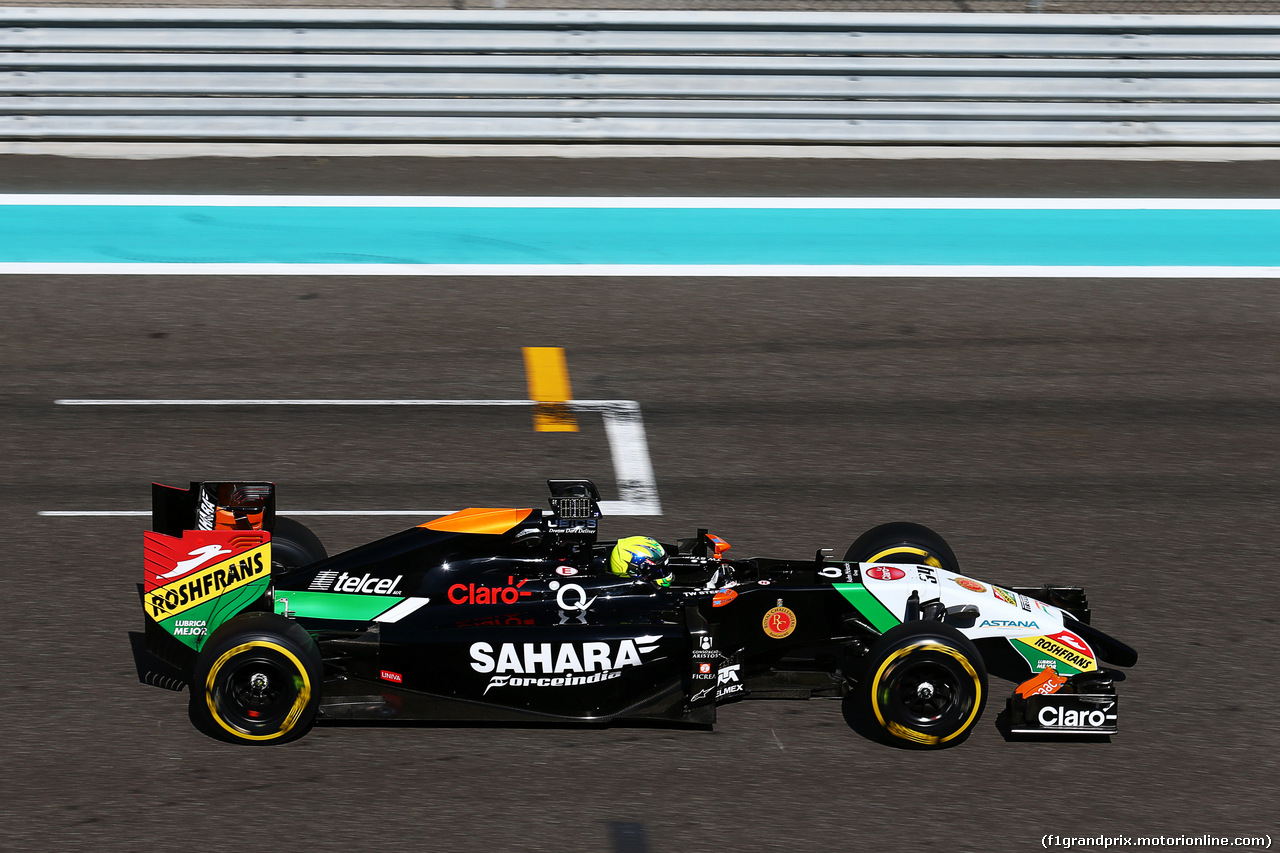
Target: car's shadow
<point>860,719</point>
<point>511,724</point>
<point>152,670</point>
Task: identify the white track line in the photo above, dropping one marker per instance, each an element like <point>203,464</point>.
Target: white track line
<point>92,513</point>
<point>640,202</point>
<point>632,468</point>
<point>623,426</point>
<point>123,513</point>
<point>594,151</point>
<point>650,271</point>
<point>267,401</point>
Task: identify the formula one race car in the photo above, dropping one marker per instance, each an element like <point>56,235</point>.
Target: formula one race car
<point>515,614</point>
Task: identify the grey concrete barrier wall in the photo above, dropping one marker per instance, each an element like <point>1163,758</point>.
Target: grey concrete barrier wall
<point>112,74</point>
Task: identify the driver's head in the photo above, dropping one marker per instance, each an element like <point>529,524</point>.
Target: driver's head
<point>640,557</point>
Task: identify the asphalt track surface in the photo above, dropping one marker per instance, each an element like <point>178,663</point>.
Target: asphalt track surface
<point>1116,434</point>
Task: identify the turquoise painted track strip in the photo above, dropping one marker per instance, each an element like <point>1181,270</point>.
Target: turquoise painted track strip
<point>106,234</point>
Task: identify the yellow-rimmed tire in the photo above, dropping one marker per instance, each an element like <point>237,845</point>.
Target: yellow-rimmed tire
<point>923,685</point>
<point>903,542</point>
<point>257,681</point>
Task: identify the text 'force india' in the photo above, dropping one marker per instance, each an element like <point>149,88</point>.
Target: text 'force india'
<point>514,615</point>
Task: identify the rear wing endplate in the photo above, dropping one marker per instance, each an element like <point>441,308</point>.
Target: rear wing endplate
<point>213,506</point>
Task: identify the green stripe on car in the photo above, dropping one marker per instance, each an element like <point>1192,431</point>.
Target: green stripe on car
<point>334,605</point>
<point>868,605</point>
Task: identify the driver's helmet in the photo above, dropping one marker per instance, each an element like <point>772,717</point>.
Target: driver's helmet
<point>641,557</point>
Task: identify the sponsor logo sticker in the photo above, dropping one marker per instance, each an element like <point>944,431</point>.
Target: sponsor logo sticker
<point>388,675</point>
<point>1046,683</point>
<point>1062,717</point>
<point>461,593</point>
<point>500,619</point>
<point>1005,623</point>
<point>728,683</point>
<point>1065,647</point>
<point>570,596</point>
<point>367,584</point>
<point>779,622</point>
<point>1004,595</point>
<point>1069,639</point>
<point>197,587</point>
<point>559,664</point>
<point>199,556</point>
<point>571,525</point>
<point>322,581</point>
<point>971,585</point>
<point>706,648</point>
<point>723,597</point>
<point>885,573</point>
<point>842,572</point>
<point>566,571</point>
<point>704,668</point>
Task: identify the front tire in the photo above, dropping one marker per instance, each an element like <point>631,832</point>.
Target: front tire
<point>257,681</point>
<point>923,685</point>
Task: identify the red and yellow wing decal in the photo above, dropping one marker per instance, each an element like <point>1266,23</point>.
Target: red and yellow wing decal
<point>183,573</point>
<point>1064,647</point>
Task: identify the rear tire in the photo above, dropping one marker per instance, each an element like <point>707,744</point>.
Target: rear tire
<point>257,681</point>
<point>293,545</point>
<point>903,542</point>
<point>923,685</point>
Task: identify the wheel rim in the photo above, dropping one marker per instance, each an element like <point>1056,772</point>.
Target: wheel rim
<point>258,691</point>
<point>925,693</point>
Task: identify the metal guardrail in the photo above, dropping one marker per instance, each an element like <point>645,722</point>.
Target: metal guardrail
<point>1077,7</point>
<point>576,76</point>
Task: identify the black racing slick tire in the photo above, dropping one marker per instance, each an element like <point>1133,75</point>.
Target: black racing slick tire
<point>903,542</point>
<point>293,545</point>
<point>257,681</point>
<point>923,685</point>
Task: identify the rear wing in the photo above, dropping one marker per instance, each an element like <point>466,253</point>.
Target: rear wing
<point>213,506</point>
<point>206,558</point>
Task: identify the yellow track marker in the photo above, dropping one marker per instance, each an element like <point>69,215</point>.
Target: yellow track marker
<point>549,388</point>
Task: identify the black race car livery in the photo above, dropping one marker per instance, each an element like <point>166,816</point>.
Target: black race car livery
<point>493,614</point>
